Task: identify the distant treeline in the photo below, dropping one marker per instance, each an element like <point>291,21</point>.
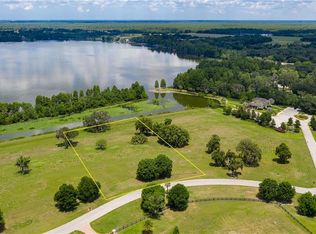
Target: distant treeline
<point>68,103</point>
<point>245,78</point>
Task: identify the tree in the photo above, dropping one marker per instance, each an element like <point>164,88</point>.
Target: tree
<point>313,123</point>
<point>290,122</point>
<point>283,152</point>
<point>168,121</point>
<point>163,83</point>
<point>163,166</point>
<point>147,170</point>
<point>268,190</point>
<point>213,144</point>
<point>153,200</point>
<point>307,205</point>
<point>139,139</point>
<point>178,197</point>
<point>23,164</point>
<point>173,135</point>
<point>66,198</point>
<point>285,192</point>
<point>233,163</point>
<point>283,126</point>
<point>97,121</point>
<point>249,152</point>
<point>218,157</point>
<point>227,110</point>
<point>144,126</point>
<point>100,144</point>
<point>176,230</point>
<point>265,118</point>
<point>148,226</point>
<point>67,135</point>
<point>156,84</point>
<point>2,222</point>
<point>297,126</point>
<point>88,190</point>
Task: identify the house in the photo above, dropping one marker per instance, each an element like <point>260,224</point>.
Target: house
<point>260,103</point>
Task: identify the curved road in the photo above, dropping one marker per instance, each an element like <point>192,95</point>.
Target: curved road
<point>83,222</point>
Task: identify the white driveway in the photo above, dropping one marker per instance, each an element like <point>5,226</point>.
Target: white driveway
<point>284,115</point>
<point>83,222</point>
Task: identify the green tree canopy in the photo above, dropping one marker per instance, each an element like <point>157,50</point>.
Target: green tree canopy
<point>175,136</point>
<point>163,83</point>
<point>156,84</point>
<point>88,190</point>
<point>67,136</point>
<point>23,164</point>
<point>101,144</point>
<point>249,152</point>
<point>144,125</point>
<point>268,190</point>
<point>283,152</point>
<point>178,197</point>
<point>233,163</point>
<point>147,170</point>
<point>139,139</point>
<point>218,157</point>
<point>307,205</point>
<point>97,121</point>
<point>213,144</point>
<point>286,192</point>
<point>2,222</point>
<point>153,200</point>
<point>313,123</point>
<point>66,198</point>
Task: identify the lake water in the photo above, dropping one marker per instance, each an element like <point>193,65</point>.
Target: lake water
<point>28,69</point>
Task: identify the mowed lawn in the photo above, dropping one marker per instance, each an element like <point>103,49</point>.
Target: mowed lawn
<point>211,216</point>
<point>27,201</point>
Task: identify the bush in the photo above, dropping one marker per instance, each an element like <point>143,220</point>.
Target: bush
<point>307,205</point>
<point>174,135</point>
<point>2,222</point>
<point>268,190</point>
<point>148,226</point>
<point>178,197</point>
<point>88,191</point>
<point>153,200</point>
<point>98,120</point>
<point>144,125</point>
<point>66,198</point>
<point>101,144</point>
<point>227,110</point>
<point>285,192</point>
<point>168,121</point>
<point>213,144</point>
<point>283,152</point>
<point>152,169</point>
<point>249,152</point>
<point>138,139</point>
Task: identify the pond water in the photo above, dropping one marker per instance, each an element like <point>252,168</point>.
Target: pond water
<point>28,69</point>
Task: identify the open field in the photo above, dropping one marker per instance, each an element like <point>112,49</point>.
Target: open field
<point>27,201</point>
<point>212,216</point>
<point>115,110</point>
<point>282,40</point>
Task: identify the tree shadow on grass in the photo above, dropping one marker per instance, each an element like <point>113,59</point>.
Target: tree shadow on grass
<point>277,160</point>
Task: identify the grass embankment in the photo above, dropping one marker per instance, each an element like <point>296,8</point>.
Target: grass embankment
<point>27,201</point>
<point>211,216</point>
<point>116,110</point>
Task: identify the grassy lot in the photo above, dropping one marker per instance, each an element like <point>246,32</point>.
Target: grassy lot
<point>27,201</point>
<point>115,110</point>
<point>211,216</point>
<point>283,40</point>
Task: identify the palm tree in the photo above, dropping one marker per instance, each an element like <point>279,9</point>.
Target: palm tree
<point>23,164</point>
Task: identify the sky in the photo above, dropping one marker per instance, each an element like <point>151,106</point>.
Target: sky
<point>157,9</point>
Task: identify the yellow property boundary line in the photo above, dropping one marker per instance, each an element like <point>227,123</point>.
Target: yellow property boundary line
<point>202,173</point>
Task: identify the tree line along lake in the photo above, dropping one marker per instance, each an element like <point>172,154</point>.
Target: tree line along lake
<point>28,69</point>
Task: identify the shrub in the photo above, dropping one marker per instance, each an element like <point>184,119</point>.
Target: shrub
<point>153,200</point>
<point>152,169</point>
<point>88,191</point>
<point>249,152</point>
<point>23,164</point>
<point>138,139</point>
<point>168,121</point>
<point>98,120</point>
<point>213,144</point>
<point>178,197</point>
<point>307,205</point>
<point>144,125</point>
<point>285,192</point>
<point>148,226</point>
<point>283,126</point>
<point>176,230</point>
<point>66,198</point>
<point>283,152</point>
<point>174,135</point>
<point>101,144</point>
<point>227,110</point>
<point>268,190</point>
<point>2,222</point>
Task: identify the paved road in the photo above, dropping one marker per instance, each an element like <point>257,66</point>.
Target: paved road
<point>284,115</point>
<point>83,222</point>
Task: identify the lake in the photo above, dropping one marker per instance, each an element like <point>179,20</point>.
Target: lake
<point>28,69</point>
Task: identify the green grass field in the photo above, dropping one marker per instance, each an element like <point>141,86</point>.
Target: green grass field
<point>116,110</point>
<point>27,201</point>
<point>212,216</point>
<point>283,40</point>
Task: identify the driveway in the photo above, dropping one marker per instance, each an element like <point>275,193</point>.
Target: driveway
<point>83,222</point>
<point>284,115</point>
